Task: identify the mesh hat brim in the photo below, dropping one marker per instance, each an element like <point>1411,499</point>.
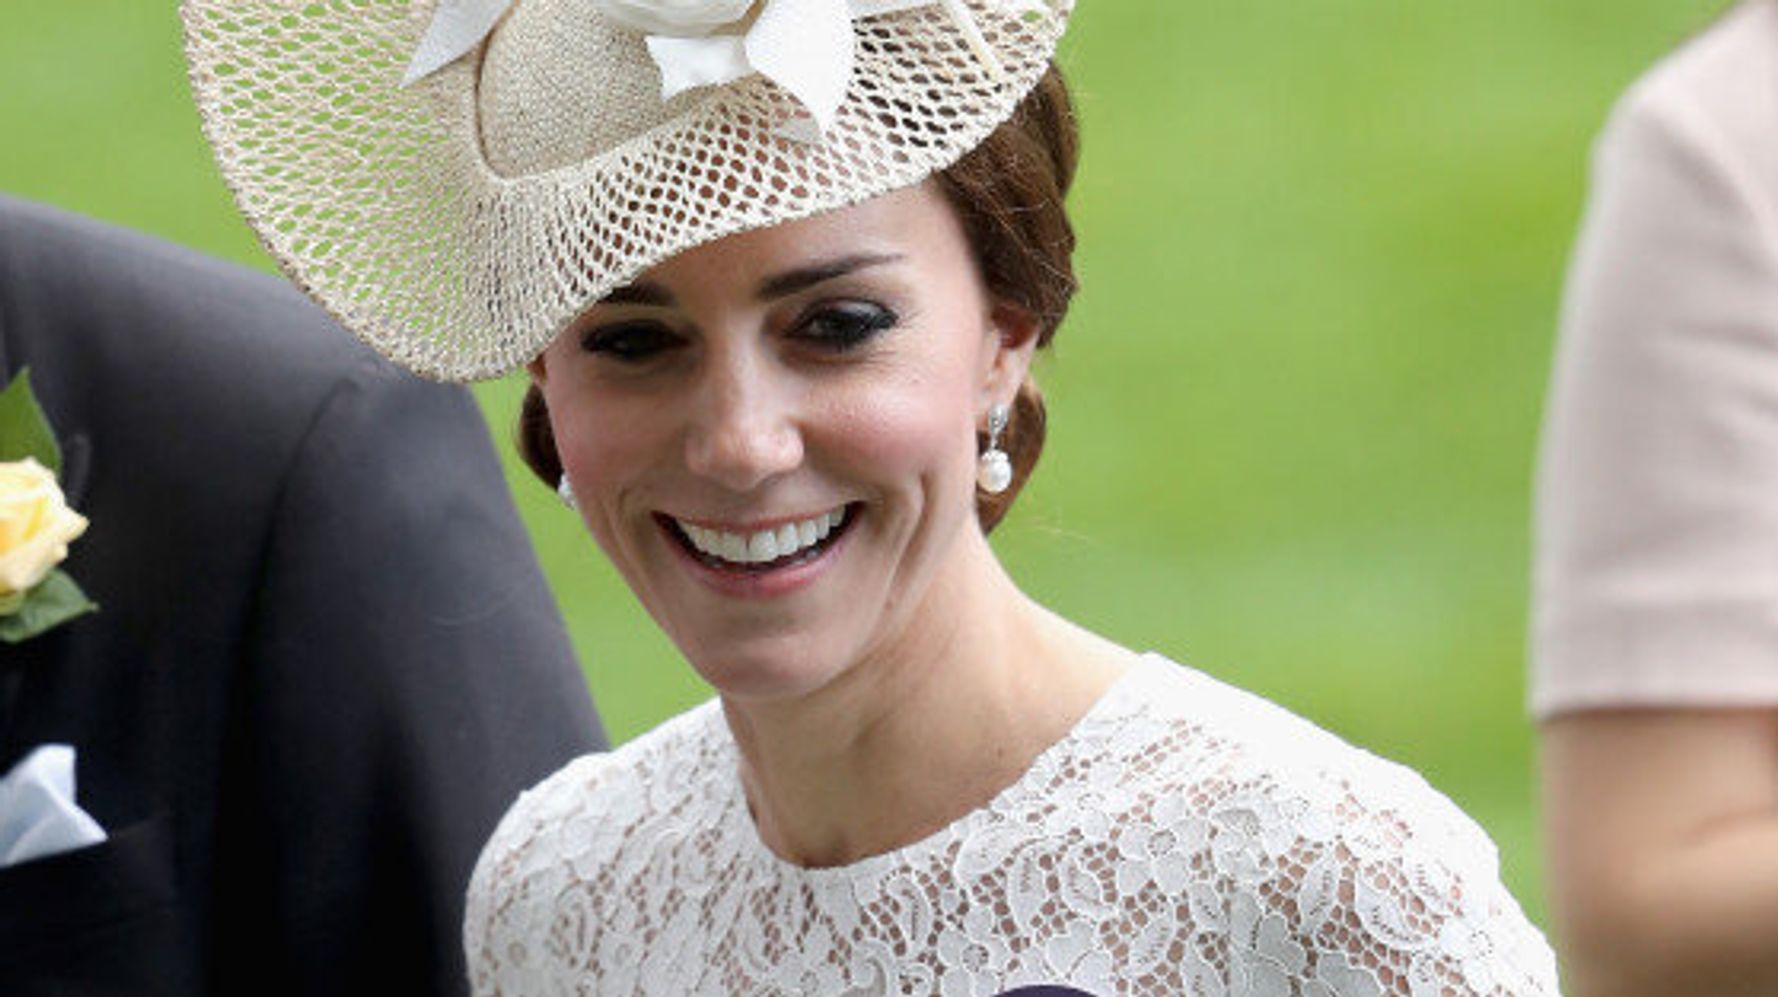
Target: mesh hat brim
<point>380,201</point>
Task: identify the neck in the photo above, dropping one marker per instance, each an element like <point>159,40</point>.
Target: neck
<point>924,728</point>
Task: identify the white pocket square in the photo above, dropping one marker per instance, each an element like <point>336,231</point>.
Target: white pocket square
<point>38,816</point>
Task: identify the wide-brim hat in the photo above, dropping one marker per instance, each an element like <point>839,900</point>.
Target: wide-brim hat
<point>456,180</point>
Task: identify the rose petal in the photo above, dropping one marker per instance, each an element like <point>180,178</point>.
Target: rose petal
<point>808,48</point>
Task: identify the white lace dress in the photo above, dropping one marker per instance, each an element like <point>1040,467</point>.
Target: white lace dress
<point>1184,838</point>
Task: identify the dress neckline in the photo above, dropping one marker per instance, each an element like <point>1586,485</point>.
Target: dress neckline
<point>1118,699</point>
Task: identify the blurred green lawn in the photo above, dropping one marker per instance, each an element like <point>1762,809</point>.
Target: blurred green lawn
<point>1294,411</point>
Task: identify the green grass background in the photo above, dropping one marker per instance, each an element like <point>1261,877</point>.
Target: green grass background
<point>1294,411</point>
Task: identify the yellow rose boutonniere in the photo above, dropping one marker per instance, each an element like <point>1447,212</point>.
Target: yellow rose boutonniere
<point>36,524</point>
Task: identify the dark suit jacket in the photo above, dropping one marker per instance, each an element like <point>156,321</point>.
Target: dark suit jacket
<point>326,660</point>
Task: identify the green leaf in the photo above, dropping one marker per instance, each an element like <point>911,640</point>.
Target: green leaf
<point>55,601</point>
<point>24,430</point>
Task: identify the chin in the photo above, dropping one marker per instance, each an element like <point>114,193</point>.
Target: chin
<point>764,668</point>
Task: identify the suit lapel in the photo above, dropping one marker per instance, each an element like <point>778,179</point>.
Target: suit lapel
<point>12,670</point>
<point>77,463</point>
<point>17,661</point>
<point>5,360</point>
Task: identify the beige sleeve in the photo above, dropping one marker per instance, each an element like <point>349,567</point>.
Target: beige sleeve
<point>1656,564</point>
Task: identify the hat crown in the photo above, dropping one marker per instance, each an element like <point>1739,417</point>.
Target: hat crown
<point>561,84</point>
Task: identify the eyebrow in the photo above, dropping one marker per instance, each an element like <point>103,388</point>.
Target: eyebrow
<point>645,292</point>
<point>641,292</point>
<point>803,278</point>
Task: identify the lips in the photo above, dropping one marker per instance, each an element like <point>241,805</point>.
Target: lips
<point>765,549</point>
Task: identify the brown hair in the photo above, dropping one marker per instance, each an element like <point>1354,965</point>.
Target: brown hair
<point>1009,194</point>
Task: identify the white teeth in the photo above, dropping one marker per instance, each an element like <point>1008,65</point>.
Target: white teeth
<point>762,547</point>
<point>765,545</point>
<point>730,547</point>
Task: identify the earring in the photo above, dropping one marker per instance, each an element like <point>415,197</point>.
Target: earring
<point>993,470</point>
<point>566,492</point>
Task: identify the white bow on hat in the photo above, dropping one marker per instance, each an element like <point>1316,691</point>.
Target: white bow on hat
<point>807,47</point>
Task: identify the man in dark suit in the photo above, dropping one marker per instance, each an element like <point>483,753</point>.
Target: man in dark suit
<point>325,661</point>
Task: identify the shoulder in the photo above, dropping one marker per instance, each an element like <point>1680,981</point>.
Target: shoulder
<point>1732,62</point>
<point>1709,104</point>
<point>97,311</point>
<point>1322,860</point>
<point>1249,731</point>
<point>596,793</point>
<point>567,839</point>
<point>63,274</point>
<point>1257,754</point>
<point>597,802</point>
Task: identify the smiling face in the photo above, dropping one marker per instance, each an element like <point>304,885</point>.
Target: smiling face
<point>772,436</point>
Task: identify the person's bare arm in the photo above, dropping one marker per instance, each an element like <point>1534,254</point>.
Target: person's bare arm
<point>1662,830</point>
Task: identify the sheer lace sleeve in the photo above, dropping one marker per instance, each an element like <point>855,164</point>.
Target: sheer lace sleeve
<point>1299,865</point>
<point>512,904</point>
<point>1374,902</point>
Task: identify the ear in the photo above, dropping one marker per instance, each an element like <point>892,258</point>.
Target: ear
<point>538,371</point>
<point>1012,336</point>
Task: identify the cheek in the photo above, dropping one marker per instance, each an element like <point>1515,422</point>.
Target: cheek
<point>900,432</point>
<point>602,446</point>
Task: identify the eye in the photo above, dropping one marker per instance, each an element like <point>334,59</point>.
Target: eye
<point>630,342</point>
<point>844,326</point>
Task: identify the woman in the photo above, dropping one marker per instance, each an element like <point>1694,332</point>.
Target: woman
<point>779,323</point>
<point>1653,650</point>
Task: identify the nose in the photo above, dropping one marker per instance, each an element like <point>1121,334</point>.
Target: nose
<point>744,431</point>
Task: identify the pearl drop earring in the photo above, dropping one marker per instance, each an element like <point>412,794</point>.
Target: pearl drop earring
<point>993,470</point>
<point>566,492</point>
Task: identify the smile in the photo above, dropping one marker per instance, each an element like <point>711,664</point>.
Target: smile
<point>763,550</point>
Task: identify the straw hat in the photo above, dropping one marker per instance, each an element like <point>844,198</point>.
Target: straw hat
<point>456,180</point>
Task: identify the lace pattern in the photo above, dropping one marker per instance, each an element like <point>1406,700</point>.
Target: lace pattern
<point>1185,838</point>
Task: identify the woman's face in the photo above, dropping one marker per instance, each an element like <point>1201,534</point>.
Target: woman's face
<point>773,436</point>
